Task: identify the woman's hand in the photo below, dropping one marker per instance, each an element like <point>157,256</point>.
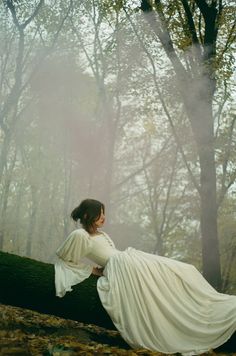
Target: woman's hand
<point>98,271</point>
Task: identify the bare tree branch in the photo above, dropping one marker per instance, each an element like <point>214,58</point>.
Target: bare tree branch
<point>11,7</point>
<point>34,14</point>
<point>190,22</point>
<point>224,187</point>
<point>156,157</point>
<point>203,7</point>
<point>165,107</point>
<point>231,39</point>
<point>15,92</point>
<point>159,26</point>
<point>200,28</point>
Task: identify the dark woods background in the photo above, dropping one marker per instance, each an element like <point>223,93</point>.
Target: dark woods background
<point>129,102</point>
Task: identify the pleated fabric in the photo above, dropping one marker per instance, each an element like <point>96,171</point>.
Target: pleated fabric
<point>165,305</point>
<point>69,267</point>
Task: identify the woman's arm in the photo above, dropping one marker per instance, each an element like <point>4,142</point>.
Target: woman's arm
<point>97,271</point>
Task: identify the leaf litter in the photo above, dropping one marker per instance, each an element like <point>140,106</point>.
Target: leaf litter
<point>26,332</point>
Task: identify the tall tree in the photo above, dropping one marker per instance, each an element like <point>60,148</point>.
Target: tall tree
<point>200,22</point>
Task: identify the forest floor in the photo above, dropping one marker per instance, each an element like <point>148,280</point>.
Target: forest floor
<point>25,332</point>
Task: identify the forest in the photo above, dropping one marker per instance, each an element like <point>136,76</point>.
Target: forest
<point>128,102</point>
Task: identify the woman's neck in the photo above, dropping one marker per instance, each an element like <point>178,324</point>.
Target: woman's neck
<point>93,231</point>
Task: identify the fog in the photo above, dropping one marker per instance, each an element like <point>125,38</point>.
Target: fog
<point>93,106</point>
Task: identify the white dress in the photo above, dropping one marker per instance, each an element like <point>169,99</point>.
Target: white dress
<point>155,302</point>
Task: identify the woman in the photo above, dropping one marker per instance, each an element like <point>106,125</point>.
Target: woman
<point>155,302</point>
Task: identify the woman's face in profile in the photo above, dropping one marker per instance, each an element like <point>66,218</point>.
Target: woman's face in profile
<point>100,221</point>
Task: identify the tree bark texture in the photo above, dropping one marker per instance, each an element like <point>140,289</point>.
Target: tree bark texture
<point>30,284</point>
<point>199,109</point>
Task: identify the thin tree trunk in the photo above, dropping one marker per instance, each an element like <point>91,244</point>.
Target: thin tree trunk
<point>32,223</point>
<point>201,118</point>
<point>4,152</point>
<point>67,191</point>
<point>208,219</point>
<point>228,269</point>
<point>6,191</point>
<point>17,218</point>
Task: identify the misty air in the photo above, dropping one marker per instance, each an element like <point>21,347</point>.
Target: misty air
<point>117,177</point>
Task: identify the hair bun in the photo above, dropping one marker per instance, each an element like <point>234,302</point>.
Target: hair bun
<point>76,213</point>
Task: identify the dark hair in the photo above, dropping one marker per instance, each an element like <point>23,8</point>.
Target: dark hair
<point>88,211</point>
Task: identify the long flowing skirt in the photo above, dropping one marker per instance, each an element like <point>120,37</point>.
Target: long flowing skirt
<point>165,305</point>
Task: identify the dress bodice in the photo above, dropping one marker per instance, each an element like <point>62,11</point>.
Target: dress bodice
<point>101,249</point>
<point>98,248</point>
<point>70,268</point>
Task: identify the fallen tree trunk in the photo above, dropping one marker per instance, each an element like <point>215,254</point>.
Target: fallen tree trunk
<point>30,284</point>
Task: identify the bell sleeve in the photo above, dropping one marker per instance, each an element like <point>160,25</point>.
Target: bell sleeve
<point>69,267</point>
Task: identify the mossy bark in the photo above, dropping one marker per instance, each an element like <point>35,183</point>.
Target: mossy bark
<point>30,284</point>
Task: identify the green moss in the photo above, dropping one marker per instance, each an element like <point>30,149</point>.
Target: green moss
<point>30,284</point>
